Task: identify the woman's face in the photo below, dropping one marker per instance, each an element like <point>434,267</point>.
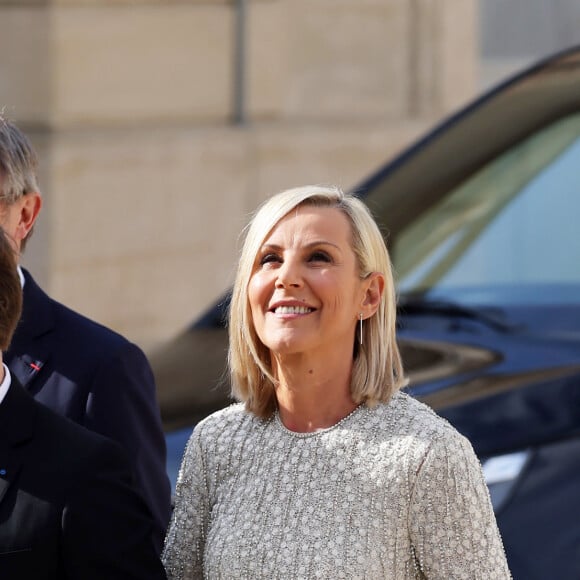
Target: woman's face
<point>305,292</point>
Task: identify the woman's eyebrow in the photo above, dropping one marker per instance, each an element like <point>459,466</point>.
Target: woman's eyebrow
<point>322,243</point>
<point>314,244</point>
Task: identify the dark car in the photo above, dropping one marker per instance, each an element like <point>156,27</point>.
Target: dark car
<point>483,222</point>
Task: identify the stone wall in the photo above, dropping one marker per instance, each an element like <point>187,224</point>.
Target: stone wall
<point>148,182</point>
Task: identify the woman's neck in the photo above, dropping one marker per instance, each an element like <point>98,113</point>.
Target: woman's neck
<point>313,395</point>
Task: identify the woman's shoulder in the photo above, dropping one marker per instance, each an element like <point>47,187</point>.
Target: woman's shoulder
<point>224,423</point>
<point>406,416</point>
<point>232,414</point>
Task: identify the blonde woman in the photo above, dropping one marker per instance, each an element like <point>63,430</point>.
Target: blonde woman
<point>325,469</point>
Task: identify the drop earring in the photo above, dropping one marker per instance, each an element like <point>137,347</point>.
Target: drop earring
<point>360,331</point>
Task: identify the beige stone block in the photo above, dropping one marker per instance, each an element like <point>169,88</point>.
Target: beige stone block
<point>25,63</point>
<point>117,3</point>
<point>337,59</point>
<point>149,299</point>
<point>342,155</point>
<point>145,224</point>
<point>443,64</point>
<point>459,52</point>
<point>424,88</point>
<point>141,63</point>
<point>126,2</point>
<point>140,190</point>
<point>265,60</point>
<point>23,3</point>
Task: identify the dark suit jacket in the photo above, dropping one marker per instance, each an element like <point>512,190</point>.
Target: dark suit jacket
<point>97,378</point>
<point>68,505</point>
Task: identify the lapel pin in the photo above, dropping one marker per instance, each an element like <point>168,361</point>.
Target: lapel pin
<point>35,366</point>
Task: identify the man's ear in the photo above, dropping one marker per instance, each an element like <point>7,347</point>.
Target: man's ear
<point>29,206</point>
<point>374,288</point>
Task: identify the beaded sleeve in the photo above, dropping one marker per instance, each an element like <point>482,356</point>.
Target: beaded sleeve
<point>451,521</point>
<point>185,541</point>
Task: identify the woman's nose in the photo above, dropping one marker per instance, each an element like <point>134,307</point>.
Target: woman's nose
<point>288,275</point>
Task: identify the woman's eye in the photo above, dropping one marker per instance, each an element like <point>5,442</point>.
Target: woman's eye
<point>319,257</point>
<point>269,258</point>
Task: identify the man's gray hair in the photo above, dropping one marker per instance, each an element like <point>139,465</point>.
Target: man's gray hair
<point>18,163</point>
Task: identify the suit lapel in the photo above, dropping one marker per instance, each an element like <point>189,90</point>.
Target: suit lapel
<point>9,469</point>
<point>25,368</point>
<point>17,416</point>
<point>28,353</point>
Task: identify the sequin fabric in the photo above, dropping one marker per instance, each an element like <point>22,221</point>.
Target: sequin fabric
<point>392,492</point>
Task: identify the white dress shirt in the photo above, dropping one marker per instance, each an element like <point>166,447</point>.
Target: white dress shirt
<point>5,383</point>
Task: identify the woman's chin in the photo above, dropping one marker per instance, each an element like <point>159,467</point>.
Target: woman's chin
<point>289,346</point>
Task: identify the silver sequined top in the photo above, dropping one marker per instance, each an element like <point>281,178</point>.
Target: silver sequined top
<point>392,492</point>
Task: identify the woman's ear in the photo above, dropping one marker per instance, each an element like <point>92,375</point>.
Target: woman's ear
<point>374,288</point>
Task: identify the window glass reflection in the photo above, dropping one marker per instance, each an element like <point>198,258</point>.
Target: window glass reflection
<point>508,233</point>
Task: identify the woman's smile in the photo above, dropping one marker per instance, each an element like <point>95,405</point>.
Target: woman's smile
<point>289,308</point>
<point>285,310</point>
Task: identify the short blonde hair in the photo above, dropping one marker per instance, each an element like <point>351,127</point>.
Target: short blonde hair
<point>377,366</point>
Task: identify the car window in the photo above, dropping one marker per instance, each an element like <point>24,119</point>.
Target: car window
<point>507,234</point>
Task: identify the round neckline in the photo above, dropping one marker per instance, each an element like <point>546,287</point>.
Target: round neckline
<point>318,432</point>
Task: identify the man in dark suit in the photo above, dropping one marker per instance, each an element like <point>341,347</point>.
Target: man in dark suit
<point>71,364</point>
<point>68,505</point>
